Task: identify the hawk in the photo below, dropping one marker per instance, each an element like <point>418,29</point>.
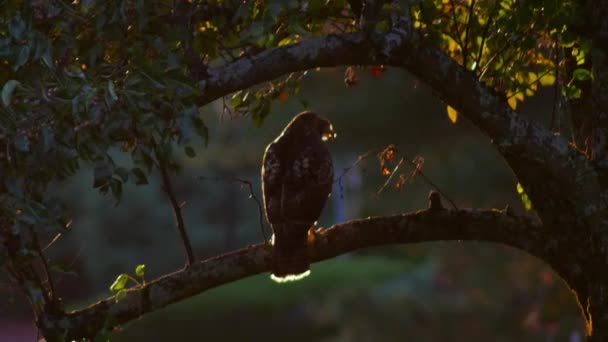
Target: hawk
<point>297,175</point>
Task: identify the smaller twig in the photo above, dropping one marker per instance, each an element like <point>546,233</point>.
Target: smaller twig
<point>428,180</point>
<point>485,35</point>
<point>456,28</point>
<point>52,242</point>
<point>45,266</point>
<point>346,170</point>
<point>465,52</point>
<point>251,195</point>
<point>177,210</point>
<point>555,87</point>
<point>395,169</point>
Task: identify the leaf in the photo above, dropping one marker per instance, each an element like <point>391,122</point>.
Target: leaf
<point>24,55</point>
<point>120,295</point>
<point>452,114</point>
<point>123,173</point>
<point>140,270</point>
<point>287,41</point>
<point>116,188</point>
<point>572,92</point>
<point>376,70</point>
<point>119,283</point>
<point>260,112</point>
<point>582,74</point>
<point>283,96</point>
<point>190,151</point>
<point>140,176</point>
<point>16,28</point>
<point>512,102</point>
<point>547,80</point>
<point>101,175</point>
<point>7,91</point>
<point>112,90</point>
<point>201,129</point>
<point>526,201</point>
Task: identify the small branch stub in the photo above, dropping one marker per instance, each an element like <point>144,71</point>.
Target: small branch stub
<point>435,201</point>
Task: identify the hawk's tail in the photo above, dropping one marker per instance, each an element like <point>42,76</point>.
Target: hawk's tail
<point>290,252</point>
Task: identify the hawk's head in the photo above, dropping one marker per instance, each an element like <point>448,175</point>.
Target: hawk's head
<point>309,121</point>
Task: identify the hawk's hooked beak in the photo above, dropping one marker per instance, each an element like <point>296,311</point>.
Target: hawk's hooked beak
<point>329,135</point>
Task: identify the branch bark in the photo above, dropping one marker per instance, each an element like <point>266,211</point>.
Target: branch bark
<point>426,225</point>
<point>533,152</point>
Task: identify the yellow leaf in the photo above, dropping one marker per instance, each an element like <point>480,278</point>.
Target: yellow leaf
<point>512,102</point>
<point>520,189</point>
<point>287,41</point>
<point>526,202</point>
<point>519,96</point>
<point>547,80</point>
<point>452,114</point>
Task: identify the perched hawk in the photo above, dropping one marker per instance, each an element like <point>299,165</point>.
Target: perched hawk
<point>297,175</point>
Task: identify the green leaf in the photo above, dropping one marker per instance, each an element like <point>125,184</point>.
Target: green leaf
<point>74,71</point>
<point>260,112</point>
<point>140,176</point>
<point>123,173</point>
<point>526,201</point>
<point>201,129</point>
<point>572,92</point>
<point>582,74</point>
<point>112,91</point>
<point>24,55</point>
<point>120,295</point>
<point>101,174</point>
<point>140,270</point>
<point>16,28</point>
<point>119,283</point>
<point>7,91</point>
<point>190,151</point>
<point>116,188</point>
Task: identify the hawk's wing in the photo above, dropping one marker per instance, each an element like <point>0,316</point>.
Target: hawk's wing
<point>308,181</point>
<point>272,176</point>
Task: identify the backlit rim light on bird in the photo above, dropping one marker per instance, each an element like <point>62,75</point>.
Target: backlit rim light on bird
<point>329,136</point>
<point>290,277</point>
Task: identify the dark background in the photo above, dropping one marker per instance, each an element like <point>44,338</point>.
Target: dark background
<point>443,291</point>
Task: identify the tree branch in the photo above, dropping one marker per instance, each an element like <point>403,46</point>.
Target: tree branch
<point>421,226</point>
<point>177,210</point>
<point>532,151</point>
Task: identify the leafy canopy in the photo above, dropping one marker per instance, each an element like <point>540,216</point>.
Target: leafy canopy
<point>85,81</point>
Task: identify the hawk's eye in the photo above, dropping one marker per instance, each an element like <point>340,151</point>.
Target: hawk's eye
<point>327,132</point>
<point>328,136</point>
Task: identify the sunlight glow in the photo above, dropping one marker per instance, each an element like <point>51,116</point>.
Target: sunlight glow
<point>290,277</point>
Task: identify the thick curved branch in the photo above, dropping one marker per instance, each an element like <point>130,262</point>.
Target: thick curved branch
<point>525,145</point>
<point>426,225</point>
